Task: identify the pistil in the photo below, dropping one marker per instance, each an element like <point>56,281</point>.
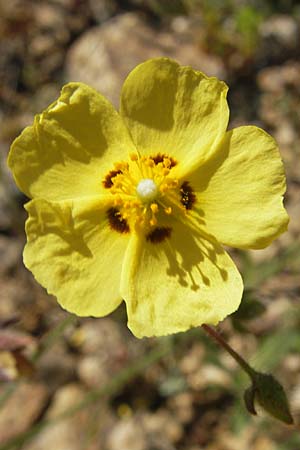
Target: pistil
<point>147,190</point>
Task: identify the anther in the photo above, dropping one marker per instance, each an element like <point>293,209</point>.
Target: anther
<point>167,163</point>
<point>163,188</point>
<point>153,222</point>
<point>168,210</point>
<point>121,165</point>
<point>173,183</point>
<point>133,157</point>
<point>150,162</point>
<point>154,208</point>
<point>117,201</point>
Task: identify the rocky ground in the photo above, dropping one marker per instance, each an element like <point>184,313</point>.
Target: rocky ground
<point>74,384</point>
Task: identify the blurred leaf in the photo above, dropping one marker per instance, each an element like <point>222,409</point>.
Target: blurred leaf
<point>250,307</point>
<point>247,22</point>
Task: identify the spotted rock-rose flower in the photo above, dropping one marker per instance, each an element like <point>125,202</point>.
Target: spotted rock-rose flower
<point>136,205</point>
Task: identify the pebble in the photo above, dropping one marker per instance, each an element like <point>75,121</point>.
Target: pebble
<point>127,435</point>
<point>65,434</point>
<point>22,409</point>
<point>281,30</point>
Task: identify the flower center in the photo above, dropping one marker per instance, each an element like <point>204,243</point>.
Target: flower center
<point>147,190</point>
<point>145,195</point>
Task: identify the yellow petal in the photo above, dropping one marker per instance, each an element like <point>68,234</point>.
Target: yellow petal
<point>180,283</point>
<point>240,191</point>
<point>75,255</point>
<point>70,147</point>
<point>174,110</point>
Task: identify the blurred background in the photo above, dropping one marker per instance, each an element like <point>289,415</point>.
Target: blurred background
<point>87,384</point>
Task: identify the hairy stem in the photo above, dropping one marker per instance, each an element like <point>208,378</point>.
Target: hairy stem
<point>238,358</point>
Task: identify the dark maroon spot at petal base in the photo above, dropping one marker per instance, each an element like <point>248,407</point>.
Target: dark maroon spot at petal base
<point>159,234</point>
<point>188,197</point>
<point>159,158</point>
<point>116,221</point>
<point>107,182</point>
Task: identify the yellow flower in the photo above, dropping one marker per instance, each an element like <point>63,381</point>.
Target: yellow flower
<point>137,204</point>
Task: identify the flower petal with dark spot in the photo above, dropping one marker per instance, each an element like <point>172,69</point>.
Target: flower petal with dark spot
<point>116,221</point>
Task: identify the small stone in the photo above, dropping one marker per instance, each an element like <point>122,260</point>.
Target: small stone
<point>8,367</point>
<point>93,371</point>
<point>98,336</point>
<point>292,363</point>
<point>276,78</point>
<point>209,375</point>
<point>282,29</point>
<point>182,405</point>
<point>11,295</point>
<point>83,428</point>
<point>127,435</point>
<point>164,425</point>
<point>13,418</point>
<point>192,361</point>
<point>270,79</point>
<point>57,365</point>
<point>280,36</point>
<point>10,254</point>
<point>12,340</point>
<point>102,9</point>
<point>64,434</point>
<point>48,16</point>
<point>285,134</point>
<point>40,45</point>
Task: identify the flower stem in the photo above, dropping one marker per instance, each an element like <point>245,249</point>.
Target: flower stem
<point>219,339</point>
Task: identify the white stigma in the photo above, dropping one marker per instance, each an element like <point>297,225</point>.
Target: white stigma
<point>147,190</point>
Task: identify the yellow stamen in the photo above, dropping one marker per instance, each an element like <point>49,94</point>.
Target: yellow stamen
<point>130,191</point>
<point>167,162</point>
<point>153,222</point>
<point>133,156</point>
<point>154,208</point>
<point>150,162</point>
<point>163,188</point>
<point>121,165</point>
<point>118,201</point>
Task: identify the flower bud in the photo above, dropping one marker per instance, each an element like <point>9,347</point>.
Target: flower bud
<point>270,395</point>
